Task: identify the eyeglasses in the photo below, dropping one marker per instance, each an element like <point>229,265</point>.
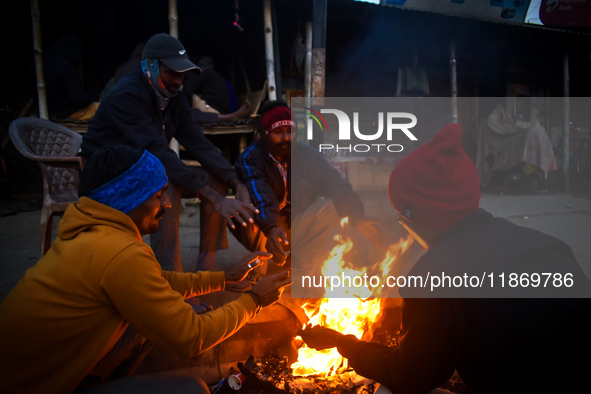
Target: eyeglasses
<point>400,218</point>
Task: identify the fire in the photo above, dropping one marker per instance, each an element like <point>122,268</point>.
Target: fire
<point>354,316</point>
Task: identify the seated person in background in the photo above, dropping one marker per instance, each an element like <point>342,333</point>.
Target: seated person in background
<point>266,169</point>
<point>497,345</point>
<point>87,313</point>
<point>128,67</point>
<point>209,92</point>
<point>66,97</point>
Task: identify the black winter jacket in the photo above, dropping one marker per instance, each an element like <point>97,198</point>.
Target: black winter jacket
<point>497,345</point>
<point>130,115</point>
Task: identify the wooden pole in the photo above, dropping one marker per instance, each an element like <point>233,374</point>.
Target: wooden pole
<point>454,82</point>
<point>173,19</point>
<point>173,28</point>
<point>308,62</point>
<point>319,48</point>
<point>566,131</point>
<point>272,91</point>
<point>38,53</point>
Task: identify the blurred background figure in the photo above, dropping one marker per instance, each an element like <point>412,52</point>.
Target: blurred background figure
<point>66,96</point>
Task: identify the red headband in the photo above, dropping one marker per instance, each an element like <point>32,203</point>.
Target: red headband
<point>277,117</point>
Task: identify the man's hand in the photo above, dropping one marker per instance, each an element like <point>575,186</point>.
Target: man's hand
<point>270,288</point>
<point>368,228</point>
<point>275,239</point>
<point>241,113</point>
<point>242,193</point>
<point>232,210</point>
<point>245,265</point>
<point>320,337</point>
<point>244,111</point>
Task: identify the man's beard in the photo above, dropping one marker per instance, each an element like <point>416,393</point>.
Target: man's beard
<point>282,149</point>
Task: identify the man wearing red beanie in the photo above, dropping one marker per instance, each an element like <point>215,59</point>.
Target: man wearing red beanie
<point>501,340</point>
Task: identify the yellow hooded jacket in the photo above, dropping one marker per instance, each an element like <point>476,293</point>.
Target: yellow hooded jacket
<point>69,310</point>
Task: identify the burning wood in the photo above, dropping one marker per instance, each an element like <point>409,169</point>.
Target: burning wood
<point>355,315</point>
<point>327,371</point>
<point>272,375</point>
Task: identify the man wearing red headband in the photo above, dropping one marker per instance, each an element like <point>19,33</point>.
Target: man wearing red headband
<point>508,341</point>
<point>266,168</point>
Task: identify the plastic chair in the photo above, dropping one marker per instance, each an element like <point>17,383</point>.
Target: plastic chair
<point>54,148</point>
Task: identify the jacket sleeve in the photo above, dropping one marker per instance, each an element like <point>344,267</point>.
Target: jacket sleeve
<point>424,359</point>
<point>250,170</point>
<point>187,285</point>
<point>132,116</point>
<point>191,136</point>
<point>328,183</point>
<point>142,295</point>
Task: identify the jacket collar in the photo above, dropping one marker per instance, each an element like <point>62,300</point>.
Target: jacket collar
<point>478,216</point>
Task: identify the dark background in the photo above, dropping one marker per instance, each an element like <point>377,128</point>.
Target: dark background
<point>366,44</point>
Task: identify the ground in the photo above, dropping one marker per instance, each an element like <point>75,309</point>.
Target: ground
<point>566,216</point>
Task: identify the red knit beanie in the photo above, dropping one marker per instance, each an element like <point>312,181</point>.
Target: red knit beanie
<point>276,117</point>
<point>437,184</point>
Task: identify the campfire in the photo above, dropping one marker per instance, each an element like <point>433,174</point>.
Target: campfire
<point>355,313</point>
<point>353,310</point>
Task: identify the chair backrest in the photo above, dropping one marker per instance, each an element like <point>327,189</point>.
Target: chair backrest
<point>54,147</point>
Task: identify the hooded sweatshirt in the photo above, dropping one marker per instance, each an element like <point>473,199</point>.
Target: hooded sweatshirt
<point>71,308</point>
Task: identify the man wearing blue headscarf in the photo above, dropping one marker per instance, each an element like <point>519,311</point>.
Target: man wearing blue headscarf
<point>86,314</point>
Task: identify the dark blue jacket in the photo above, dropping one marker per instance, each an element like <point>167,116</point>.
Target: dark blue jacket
<point>308,172</point>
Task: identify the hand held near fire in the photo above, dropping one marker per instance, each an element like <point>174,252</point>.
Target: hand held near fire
<point>369,229</point>
<point>242,194</point>
<point>270,288</point>
<point>233,210</point>
<point>275,240</point>
<point>320,338</point>
<point>249,262</point>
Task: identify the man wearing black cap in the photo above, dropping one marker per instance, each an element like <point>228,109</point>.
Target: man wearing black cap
<point>145,110</point>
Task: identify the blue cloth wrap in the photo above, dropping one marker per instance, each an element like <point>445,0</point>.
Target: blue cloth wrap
<point>132,188</point>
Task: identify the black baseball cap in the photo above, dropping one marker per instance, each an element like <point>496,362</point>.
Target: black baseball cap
<point>169,51</point>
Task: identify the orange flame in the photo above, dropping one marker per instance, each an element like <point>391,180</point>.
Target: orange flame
<point>350,316</point>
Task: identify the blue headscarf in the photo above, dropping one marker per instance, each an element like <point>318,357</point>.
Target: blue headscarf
<point>132,188</point>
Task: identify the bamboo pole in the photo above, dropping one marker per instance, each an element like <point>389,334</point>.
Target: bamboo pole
<point>173,19</point>
<point>454,82</point>
<point>269,50</point>
<point>319,48</point>
<point>308,62</point>
<point>38,53</point>
<point>173,28</point>
<point>566,131</point>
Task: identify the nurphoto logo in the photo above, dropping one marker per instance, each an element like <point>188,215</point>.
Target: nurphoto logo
<point>390,122</point>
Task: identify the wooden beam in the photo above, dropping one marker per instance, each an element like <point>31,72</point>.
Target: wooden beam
<point>38,53</point>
